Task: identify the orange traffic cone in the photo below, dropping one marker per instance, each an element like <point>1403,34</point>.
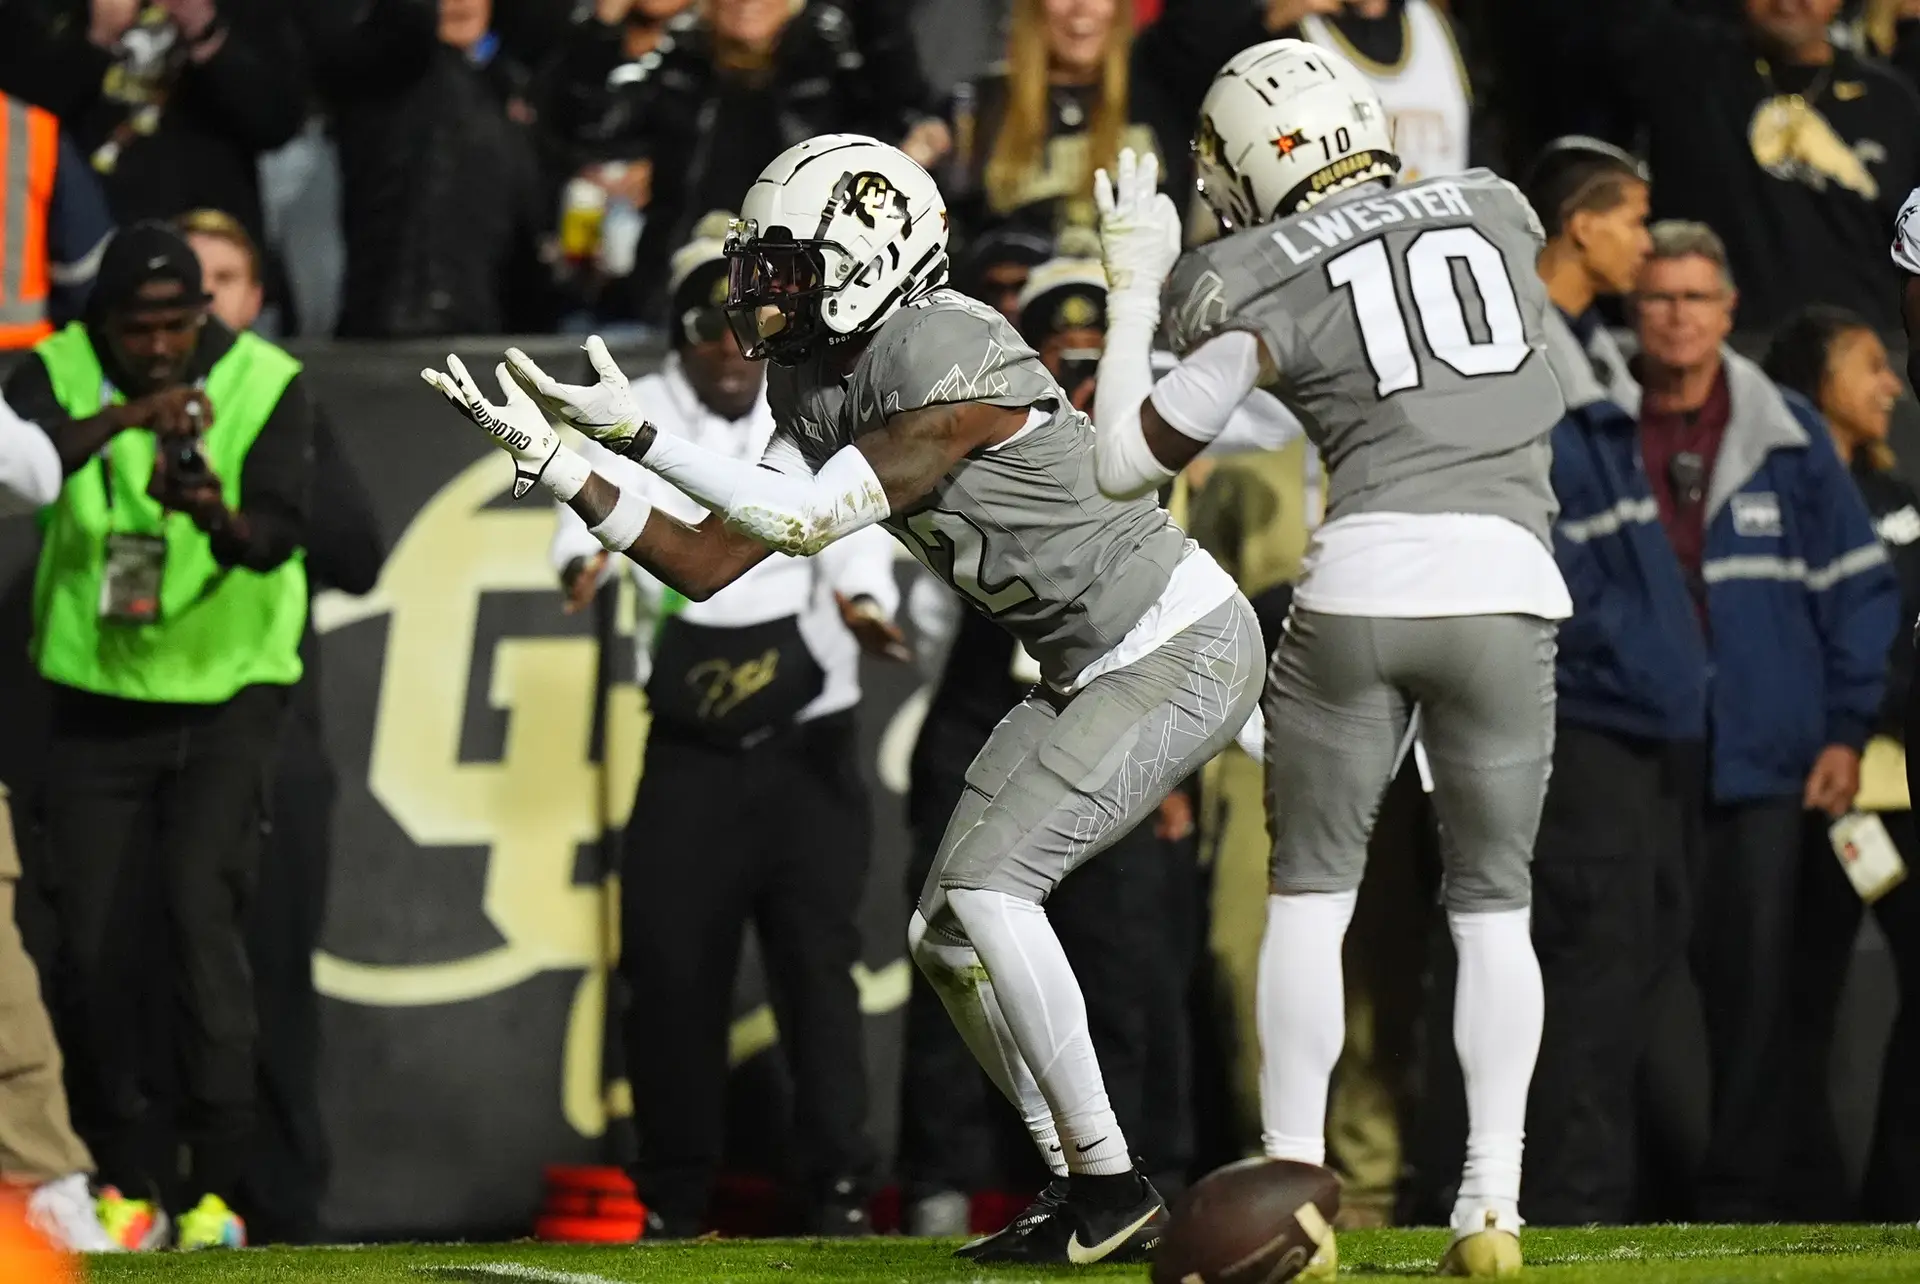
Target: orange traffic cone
<point>25,1258</point>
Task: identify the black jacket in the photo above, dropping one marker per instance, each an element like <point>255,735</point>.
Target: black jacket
<point>443,193</point>
<point>1895,509</point>
<point>709,133</point>
<point>216,118</point>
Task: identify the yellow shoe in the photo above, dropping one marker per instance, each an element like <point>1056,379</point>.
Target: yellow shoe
<point>211,1224</point>
<point>136,1225</point>
<point>1492,1253</point>
<point>1324,1264</point>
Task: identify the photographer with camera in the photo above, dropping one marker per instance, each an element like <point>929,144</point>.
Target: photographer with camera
<point>168,610</point>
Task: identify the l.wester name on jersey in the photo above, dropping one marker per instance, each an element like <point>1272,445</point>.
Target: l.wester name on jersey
<point>1338,224</point>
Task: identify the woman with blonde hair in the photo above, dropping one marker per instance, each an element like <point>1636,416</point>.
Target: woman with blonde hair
<point>1028,136</point>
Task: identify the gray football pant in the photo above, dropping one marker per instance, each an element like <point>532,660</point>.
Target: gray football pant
<point>1056,785</point>
<point>1339,695</point>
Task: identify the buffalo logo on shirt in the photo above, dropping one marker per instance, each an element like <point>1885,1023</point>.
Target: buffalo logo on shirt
<point>1756,515</point>
<point>1791,140</point>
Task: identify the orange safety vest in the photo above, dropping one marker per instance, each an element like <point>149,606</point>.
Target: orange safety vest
<point>29,148</point>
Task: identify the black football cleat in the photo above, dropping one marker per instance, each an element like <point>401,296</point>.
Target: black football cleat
<point>1000,1246</point>
<point>1103,1233</point>
<point>1078,1231</point>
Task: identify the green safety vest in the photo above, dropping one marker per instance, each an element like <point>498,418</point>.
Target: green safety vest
<point>219,628</point>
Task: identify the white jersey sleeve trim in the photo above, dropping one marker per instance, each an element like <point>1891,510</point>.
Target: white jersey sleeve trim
<point>791,511</point>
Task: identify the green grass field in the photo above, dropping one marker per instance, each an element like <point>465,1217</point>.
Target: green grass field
<point>1644,1255</point>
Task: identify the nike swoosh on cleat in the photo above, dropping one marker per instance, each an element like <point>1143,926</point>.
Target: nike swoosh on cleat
<point>1082,1256</point>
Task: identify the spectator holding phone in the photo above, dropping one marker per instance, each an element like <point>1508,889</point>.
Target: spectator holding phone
<point>168,610</point>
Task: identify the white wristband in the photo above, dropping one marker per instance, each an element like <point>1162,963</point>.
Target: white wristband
<point>622,526</point>
<point>565,473</point>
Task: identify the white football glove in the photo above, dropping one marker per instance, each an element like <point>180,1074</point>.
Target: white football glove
<point>518,426</point>
<point>1139,226</point>
<point>604,411</point>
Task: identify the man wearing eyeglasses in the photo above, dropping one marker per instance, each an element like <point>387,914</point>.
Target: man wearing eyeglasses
<point>1798,605</point>
<point>751,805</point>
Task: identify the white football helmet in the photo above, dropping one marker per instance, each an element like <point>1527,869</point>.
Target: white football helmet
<point>833,237</point>
<point>1284,125</point>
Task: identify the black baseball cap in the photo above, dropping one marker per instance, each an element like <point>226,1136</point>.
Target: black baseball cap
<point>140,255</point>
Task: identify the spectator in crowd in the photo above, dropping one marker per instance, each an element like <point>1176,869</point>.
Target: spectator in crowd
<point>996,264</point>
<point>1631,679</point>
<point>1797,152</point>
<point>1793,593</point>
<point>167,621</point>
<point>443,197</point>
<point>719,98</point>
<point>1408,51</point>
<point>287,1171</point>
<point>1835,360</point>
<point>54,199</point>
<point>582,97</point>
<point>1890,29</point>
<point>173,102</point>
<point>38,1147</point>
<point>1029,135</point>
<point>750,805</point>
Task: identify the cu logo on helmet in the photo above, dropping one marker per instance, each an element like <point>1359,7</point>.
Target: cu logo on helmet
<point>871,197</point>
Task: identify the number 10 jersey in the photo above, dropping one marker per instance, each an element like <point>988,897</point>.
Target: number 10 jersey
<point>1020,530</point>
<point>1407,327</point>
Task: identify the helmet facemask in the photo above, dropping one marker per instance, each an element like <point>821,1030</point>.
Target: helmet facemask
<point>775,285</point>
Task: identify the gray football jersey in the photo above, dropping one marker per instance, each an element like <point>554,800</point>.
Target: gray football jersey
<point>1021,531</point>
<point>1407,328</point>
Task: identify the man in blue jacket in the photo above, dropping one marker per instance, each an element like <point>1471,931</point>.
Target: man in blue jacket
<point>1796,604</point>
<point>1632,678</point>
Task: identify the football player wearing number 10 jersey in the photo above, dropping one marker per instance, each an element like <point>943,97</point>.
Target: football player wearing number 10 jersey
<point>1405,325</point>
<point>902,403</point>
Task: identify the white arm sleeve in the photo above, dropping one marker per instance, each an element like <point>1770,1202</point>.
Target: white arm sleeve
<point>30,473</point>
<point>1205,397</point>
<point>1199,396</point>
<point>791,510</point>
<point>1124,465</point>
<point>1260,422</point>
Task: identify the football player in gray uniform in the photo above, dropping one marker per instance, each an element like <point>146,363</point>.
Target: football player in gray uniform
<point>1405,325</point>
<point>901,402</point>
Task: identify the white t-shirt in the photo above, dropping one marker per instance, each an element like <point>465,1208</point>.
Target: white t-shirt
<point>1386,565</point>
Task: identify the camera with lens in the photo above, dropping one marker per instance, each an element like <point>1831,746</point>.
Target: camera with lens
<point>185,460</point>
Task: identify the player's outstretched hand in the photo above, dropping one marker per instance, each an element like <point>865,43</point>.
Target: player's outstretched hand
<point>1139,225</point>
<point>604,411</point>
<point>518,426</point>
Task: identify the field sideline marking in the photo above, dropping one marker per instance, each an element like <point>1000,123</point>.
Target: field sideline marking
<point>515,1271</point>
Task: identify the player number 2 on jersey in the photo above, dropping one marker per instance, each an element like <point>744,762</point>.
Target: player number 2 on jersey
<point>1436,301</point>
<point>952,536</point>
